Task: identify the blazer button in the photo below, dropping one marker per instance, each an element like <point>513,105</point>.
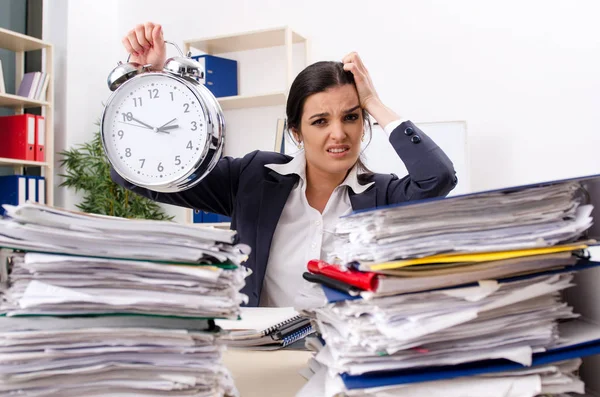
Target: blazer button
<point>409,131</point>
<point>415,139</point>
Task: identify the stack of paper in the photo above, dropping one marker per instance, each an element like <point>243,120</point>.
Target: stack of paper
<point>505,220</point>
<point>47,229</point>
<point>454,297</point>
<point>93,305</point>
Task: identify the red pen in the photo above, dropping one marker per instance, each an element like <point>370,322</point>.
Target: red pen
<point>364,280</point>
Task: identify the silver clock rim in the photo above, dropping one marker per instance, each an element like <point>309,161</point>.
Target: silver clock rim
<point>213,144</point>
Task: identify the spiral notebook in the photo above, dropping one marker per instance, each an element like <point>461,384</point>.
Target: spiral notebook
<point>265,328</point>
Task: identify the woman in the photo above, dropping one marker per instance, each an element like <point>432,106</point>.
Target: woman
<point>284,207</point>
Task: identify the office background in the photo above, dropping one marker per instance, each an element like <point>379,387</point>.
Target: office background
<point>523,74</point>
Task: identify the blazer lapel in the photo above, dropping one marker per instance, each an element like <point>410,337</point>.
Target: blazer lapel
<point>275,192</point>
<point>365,200</point>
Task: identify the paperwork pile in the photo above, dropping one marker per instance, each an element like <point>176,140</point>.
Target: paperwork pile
<point>455,297</point>
<point>94,305</point>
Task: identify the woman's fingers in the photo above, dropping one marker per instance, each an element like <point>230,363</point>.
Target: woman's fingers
<point>134,43</point>
<point>157,37</point>
<point>140,34</point>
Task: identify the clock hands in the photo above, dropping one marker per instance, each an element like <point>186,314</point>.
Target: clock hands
<point>164,130</point>
<point>166,124</point>
<point>141,122</point>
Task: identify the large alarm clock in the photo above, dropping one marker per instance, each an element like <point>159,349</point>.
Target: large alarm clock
<point>162,130</point>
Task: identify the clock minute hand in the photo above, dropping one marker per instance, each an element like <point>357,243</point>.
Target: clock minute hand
<point>141,122</point>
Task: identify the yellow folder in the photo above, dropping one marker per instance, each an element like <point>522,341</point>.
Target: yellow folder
<point>476,256</point>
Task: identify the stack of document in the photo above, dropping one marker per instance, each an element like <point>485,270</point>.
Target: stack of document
<point>95,305</point>
<point>455,297</point>
<point>266,328</point>
<point>47,229</point>
<point>497,221</point>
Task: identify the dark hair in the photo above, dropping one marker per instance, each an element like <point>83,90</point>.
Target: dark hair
<point>316,78</point>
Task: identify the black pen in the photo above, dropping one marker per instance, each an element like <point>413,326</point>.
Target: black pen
<point>332,283</point>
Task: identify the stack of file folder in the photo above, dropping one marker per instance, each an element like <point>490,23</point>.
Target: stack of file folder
<point>101,306</point>
<point>458,296</point>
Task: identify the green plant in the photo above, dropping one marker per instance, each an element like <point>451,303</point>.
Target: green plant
<point>88,170</point>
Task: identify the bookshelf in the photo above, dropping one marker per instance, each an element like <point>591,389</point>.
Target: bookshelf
<point>19,44</point>
<point>283,36</point>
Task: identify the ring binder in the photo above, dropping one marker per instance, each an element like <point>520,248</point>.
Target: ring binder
<point>281,324</point>
<point>289,339</point>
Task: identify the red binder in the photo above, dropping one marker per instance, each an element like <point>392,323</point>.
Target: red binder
<point>17,137</point>
<point>364,280</point>
<point>40,138</point>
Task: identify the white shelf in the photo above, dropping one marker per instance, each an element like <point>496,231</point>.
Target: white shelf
<point>17,42</point>
<point>243,41</point>
<point>17,162</point>
<point>250,101</point>
<point>9,100</point>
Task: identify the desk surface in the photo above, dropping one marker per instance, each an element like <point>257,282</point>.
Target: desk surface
<point>267,373</point>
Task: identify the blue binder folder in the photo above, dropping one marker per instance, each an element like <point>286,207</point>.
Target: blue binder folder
<point>220,75</point>
<point>13,190</point>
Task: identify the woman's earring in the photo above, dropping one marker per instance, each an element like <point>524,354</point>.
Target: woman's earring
<point>363,138</point>
<point>300,145</point>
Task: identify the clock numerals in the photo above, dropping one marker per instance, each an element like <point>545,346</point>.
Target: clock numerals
<point>121,134</point>
<point>189,145</point>
<point>194,126</point>
<point>143,162</point>
<point>137,100</point>
<point>128,152</point>
<point>153,93</point>
<point>187,107</point>
<point>127,116</point>
<point>160,167</point>
<point>177,160</point>
<point>172,96</point>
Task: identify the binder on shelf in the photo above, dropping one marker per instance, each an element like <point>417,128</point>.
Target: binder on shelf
<point>2,85</point>
<point>32,188</point>
<point>36,189</point>
<point>13,190</point>
<point>40,139</point>
<point>41,189</point>
<point>27,84</point>
<point>17,134</point>
<point>34,85</point>
<point>220,75</point>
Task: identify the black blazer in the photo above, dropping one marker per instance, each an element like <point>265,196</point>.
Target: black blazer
<point>254,195</point>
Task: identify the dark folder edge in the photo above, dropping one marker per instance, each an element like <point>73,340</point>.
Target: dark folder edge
<point>334,295</point>
<point>579,349</point>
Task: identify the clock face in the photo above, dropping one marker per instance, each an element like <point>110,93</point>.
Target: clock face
<point>154,129</point>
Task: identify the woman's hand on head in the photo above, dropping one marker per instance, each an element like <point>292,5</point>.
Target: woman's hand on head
<point>366,90</point>
<point>146,45</point>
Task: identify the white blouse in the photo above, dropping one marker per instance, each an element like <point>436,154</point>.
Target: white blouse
<point>303,233</point>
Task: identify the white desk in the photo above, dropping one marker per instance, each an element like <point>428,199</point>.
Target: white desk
<point>267,373</point>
